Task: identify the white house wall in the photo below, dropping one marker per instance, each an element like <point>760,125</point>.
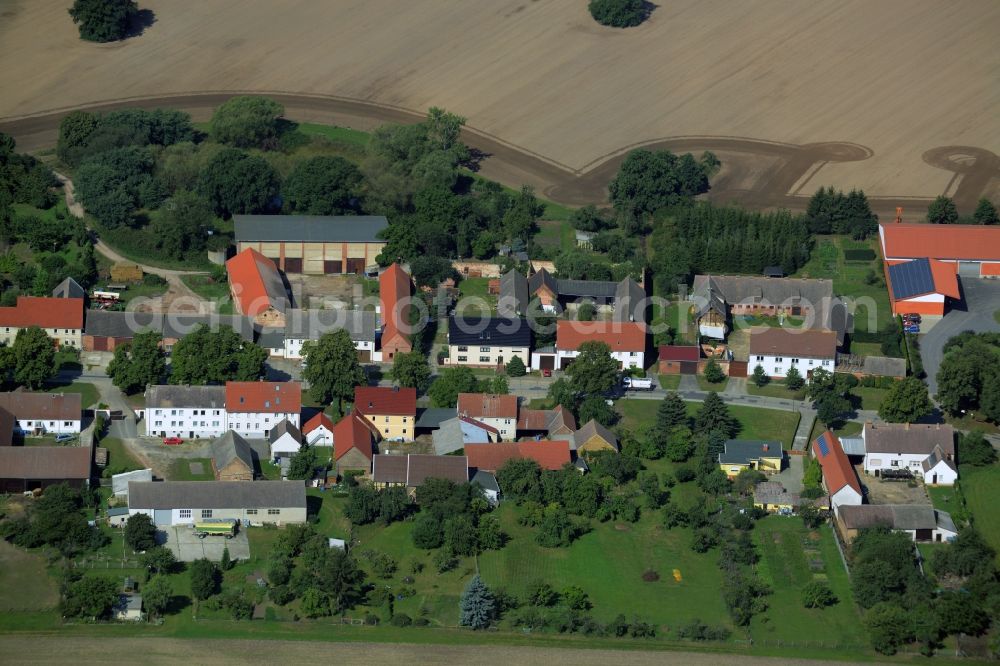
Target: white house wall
<point>778,366</point>
<point>28,426</point>
<point>486,355</point>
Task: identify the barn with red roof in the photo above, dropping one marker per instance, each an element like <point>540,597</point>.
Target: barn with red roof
<point>839,478</point>
<point>395,289</point>
<point>257,288</point>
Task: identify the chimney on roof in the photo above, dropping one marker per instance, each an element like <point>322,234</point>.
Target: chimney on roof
<point>765,446</point>
<point>899,214</point>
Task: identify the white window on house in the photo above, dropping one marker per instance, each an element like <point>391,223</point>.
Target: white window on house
<point>777,360</point>
<point>631,354</point>
<point>185,513</point>
<point>387,419</point>
<point>274,512</point>
<point>463,359</point>
<point>810,361</point>
<point>484,349</point>
<point>894,463</point>
<point>159,423</point>
<point>794,361</point>
<point>206,513</point>
<point>462,348</point>
<point>67,423</point>
<point>760,358</point>
<point>251,512</point>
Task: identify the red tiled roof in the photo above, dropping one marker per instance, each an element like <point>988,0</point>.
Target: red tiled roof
<point>941,241</point>
<point>30,406</point>
<point>549,454</point>
<point>618,335</point>
<point>352,432</point>
<point>679,353</point>
<point>264,397</point>
<point>44,312</point>
<point>385,400</point>
<point>321,419</point>
<point>770,341</point>
<point>254,279</point>
<point>837,469</point>
<point>945,278</point>
<point>45,462</point>
<point>486,406</point>
<point>394,288</point>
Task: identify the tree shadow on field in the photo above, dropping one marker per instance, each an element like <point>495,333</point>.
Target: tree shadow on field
<point>476,157</point>
<point>143,19</point>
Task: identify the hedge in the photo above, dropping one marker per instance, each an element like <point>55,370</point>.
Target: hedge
<point>859,254</point>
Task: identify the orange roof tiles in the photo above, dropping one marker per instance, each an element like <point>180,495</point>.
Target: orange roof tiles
<point>264,397</point>
<point>941,241</point>
<point>837,470</point>
<point>394,291</point>
<point>44,312</point>
<point>487,406</point>
<point>255,282</point>
<point>945,278</point>
<point>620,336</point>
<point>549,454</point>
<point>320,420</point>
<point>385,400</point>
<point>352,432</point>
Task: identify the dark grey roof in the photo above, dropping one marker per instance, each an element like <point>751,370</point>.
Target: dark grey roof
<point>630,301</point>
<point>311,324</point>
<point>101,323</point>
<point>502,332</point>
<point>216,494</point>
<point>434,417</point>
<point>202,397</point>
<point>936,456</point>
<point>915,438</point>
<point>449,437</point>
<point>271,338</point>
<point>596,289</point>
<point>486,481</point>
<point>543,277</point>
<point>69,288</point>
<point>307,228</point>
<point>230,447</point>
<point>883,366</point>
<point>742,451</point>
<point>893,516</point>
<point>284,427</point>
<point>514,296</point>
<point>911,278</point>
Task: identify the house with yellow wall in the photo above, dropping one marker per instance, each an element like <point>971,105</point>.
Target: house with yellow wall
<point>760,455</point>
<point>594,437</point>
<point>390,410</point>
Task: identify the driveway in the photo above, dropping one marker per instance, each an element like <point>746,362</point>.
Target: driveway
<point>975,313</point>
<point>187,547</point>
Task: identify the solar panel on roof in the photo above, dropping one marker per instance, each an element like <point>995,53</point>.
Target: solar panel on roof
<point>911,279</point>
<point>824,447</point>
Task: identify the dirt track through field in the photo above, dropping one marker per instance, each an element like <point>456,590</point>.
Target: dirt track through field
<point>898,97</point>
<point>54,649</point>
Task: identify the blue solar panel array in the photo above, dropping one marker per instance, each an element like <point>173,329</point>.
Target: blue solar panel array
<point>913,278</point>
<point>824,447</point>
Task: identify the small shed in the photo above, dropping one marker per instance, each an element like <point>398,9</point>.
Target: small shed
<point>129,608</point>
<point>118,516</point>
<point>126,272</point>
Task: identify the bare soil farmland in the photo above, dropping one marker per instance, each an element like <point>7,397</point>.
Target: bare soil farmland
<point>897,96</point>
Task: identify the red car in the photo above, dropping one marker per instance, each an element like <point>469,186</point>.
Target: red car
<point>546,373</point>
<point>172,441</point>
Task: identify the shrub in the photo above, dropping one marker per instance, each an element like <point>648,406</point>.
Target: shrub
<point>401,620</point>
<point>684,473</point>
<point>650,576</point>
<point>619,13</point>
<point>859,254</point>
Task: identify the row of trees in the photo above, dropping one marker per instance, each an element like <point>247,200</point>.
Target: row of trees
<point>943,211</point>
<point>969,376</point>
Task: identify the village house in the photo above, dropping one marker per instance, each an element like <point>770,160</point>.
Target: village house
<point>488,342</point>
<point>313,244</point>
<point>455,433</point>
<point>922,286</point>
<point>285,440</point>
<point>594,437</point>
<point>771,496</point>
<point>42,413</point>
<point>170,503</point>
<point>778,350</point>
<point>392,411</point>
<point>232,458</point>
<point>192,412</point>
<point>318,431</point>
<point>752,454</point>
<point>253,408</point>
<point>395,290</point>
<point>497,411</point>
<point>257,289</point>
<point>549,454</point>
<point>626,341</point>
<point>545,422</point>
<point>922,522</point>
<point>60,318</point>
<point>353,445</point>
<point>839,479</point>
<point>25,468</point>
<point>104,330</point>
<point>413,469</point>
<point>625,300</point>
<point>925,450</point>
<point>302,326</point>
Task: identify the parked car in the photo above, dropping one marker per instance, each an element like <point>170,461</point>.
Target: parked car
<point>65,437</point>
<point>911,328</point>
<point>911,316</point>
<point>637,384</point>
<point>172,441</point>
<point>546,372</point>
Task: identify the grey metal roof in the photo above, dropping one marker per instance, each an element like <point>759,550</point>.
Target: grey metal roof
<point>596,289</point>
<point>911,278</point>
<point>311,324</point>
<point>883,366</point>
<point>630,301</point>
<point>203,397</point>
<point>543,278</point>
<point>216,494</point>
<point>853,446</point>
<point>434,417</point>
<point>893,516</point>
<point>69,288</point>
<point>230,447</point>
<point>514,297</point>
<point>309,228</point>
<point>271,338</point>
<point>915,438</point>
<point>486,481</point>
<point>742,451</point>
<point>284,427</point>
<point>498,331</point>
<point>101,323</point>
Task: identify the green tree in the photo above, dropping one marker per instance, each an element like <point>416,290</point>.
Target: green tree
<point>680,443</point>
<point>75,130</point>
<point>585,312</point>
<point>411,370</point>
<point>714,416</point>
<point>489,534</point>
<point>817,594</point>
<point>794,380</point>
<point>672,412</point>
<point>906,401</point>
<point>138,363</point>
<point>760,377</point>
<point>813,474</point>
<point>449,383</point>
<point>332,367</point>
<point>158,560</point>
<point>183,223</point>
<point>555,529</point>
<point>594,370</point>
<point>205,579</point>
<point>619,13</point>
<point>562,392</point>
<point>515,367</point>
<point>103,20</point>
<point>303,463</point>
<point>986,212</point>
<point>140,532</point>
<point>589,218</point>
<point>157,594</point>
<point>942,211</point>
<point>888,626</point>
<point>477,606</point>
<point>92,597</point>
<point>975,449</point>
<point>204,356</point>
<point>34,357</point>
<point>595,408</point>
<point>323,185</point>
<point>427,531</point>
<point>650,180</point>
<point>247,122</point>
<point>235,182</point>
<point>430,271</point>
<point>713,372</point>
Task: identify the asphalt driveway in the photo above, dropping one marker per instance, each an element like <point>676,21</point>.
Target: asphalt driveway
<point>975,313</point>
<point>187,547</point>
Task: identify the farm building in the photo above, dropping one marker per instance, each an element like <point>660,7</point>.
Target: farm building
<point>626,340</point>
<point>594,437</point>
<point>549,454</point>
<point>24,468</point>
<point>773,497</point>
<point>186,502</point>
<point>314,245</point>
<point>104,330</point>
<point>353,445</point>
<point>925,450</point>
<point>232,458</point>
<point>43,413</point>
<point>497,411</point>
<point>395,289</point>
<point>69,288</point>
<point>624,299</point>
<point>302,326</point>
<point>972,250</point>
<point>60,318</point>
<point>119,482</point>
<point>921,521</point>
<point>285,440</point>
<point>257,288</point>
<point>679,360</point>
<point>545,422</point>
<point>457,432</point>
<point>839,479</point>
<point>413,469</point>
<point>922,286</point>
<point>318,431</point>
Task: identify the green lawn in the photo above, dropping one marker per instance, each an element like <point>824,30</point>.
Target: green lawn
<point>351,137</point>
<point>207,288</point>
<point>329,509</point>
<point>979,486</point>
<point>792,556</point>
<point>756,423</point>
<point>89,394</point>
<point>119,457</point>
<point>775,389</point>
<point>866,348</point>
<point>556,235</point>
<point>706,385</point>
<point>945,498</point>
<point>669,382</point>
<point>608,564</point>
<point>475,297</point>
<point>24,582</point>
<point>181,470</point>
<point>678,315</point>
<point>871,398</point>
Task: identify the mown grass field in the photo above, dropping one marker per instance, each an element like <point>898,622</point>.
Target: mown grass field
<point>181,470</point>
<point>979,486</point>
<point>24,582</point>
<point>119,457</point>
<point>775,389</point>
